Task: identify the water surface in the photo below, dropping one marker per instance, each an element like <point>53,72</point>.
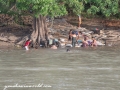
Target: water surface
<point>79,69</point>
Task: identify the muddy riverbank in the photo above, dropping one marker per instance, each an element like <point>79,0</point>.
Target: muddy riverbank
<point>109,35</point>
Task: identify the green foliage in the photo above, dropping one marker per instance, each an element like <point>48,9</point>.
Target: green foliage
<point>4,4</point>
<point>107,8</point>
<point>6,7</point>
<point>42,7</point>
<point>56,8</point>
<point>93,10</point>
<point>52,8</point>
<point>75,6</point>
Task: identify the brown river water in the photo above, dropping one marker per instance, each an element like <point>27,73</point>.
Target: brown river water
<point>46,69</point>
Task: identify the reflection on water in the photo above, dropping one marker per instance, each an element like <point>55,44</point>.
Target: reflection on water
<point>79,69</point>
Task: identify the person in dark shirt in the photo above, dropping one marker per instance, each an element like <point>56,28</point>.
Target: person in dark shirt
<point>70,35</point>
<point>74,39</point>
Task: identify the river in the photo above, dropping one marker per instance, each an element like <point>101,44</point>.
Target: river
<point>46,69</point>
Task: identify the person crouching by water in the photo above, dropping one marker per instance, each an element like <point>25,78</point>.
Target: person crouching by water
<point>27,43</point>
<point>94,42</point>
<point>54,46</point>
<point>74,36</point>
<point>85,42</point>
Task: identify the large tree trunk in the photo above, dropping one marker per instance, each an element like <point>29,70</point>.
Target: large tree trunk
<point>40,31</point>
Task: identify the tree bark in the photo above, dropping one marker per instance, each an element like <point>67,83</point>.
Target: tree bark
<point>40,31</point>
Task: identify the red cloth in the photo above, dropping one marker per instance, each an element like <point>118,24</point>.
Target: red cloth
<point>27,43</point>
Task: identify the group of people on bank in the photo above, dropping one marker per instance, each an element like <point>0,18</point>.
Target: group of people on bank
<point>52,43</point>
<point>77,38</point>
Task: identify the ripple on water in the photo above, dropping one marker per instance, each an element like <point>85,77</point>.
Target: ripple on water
<point>79,69</point>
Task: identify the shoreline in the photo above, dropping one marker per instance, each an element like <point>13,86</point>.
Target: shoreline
<point>18,47</point>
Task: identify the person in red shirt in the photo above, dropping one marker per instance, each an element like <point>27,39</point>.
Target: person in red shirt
<point>27,43</point>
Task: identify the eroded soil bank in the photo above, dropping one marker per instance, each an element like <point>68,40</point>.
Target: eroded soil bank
<point>10,35</point>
